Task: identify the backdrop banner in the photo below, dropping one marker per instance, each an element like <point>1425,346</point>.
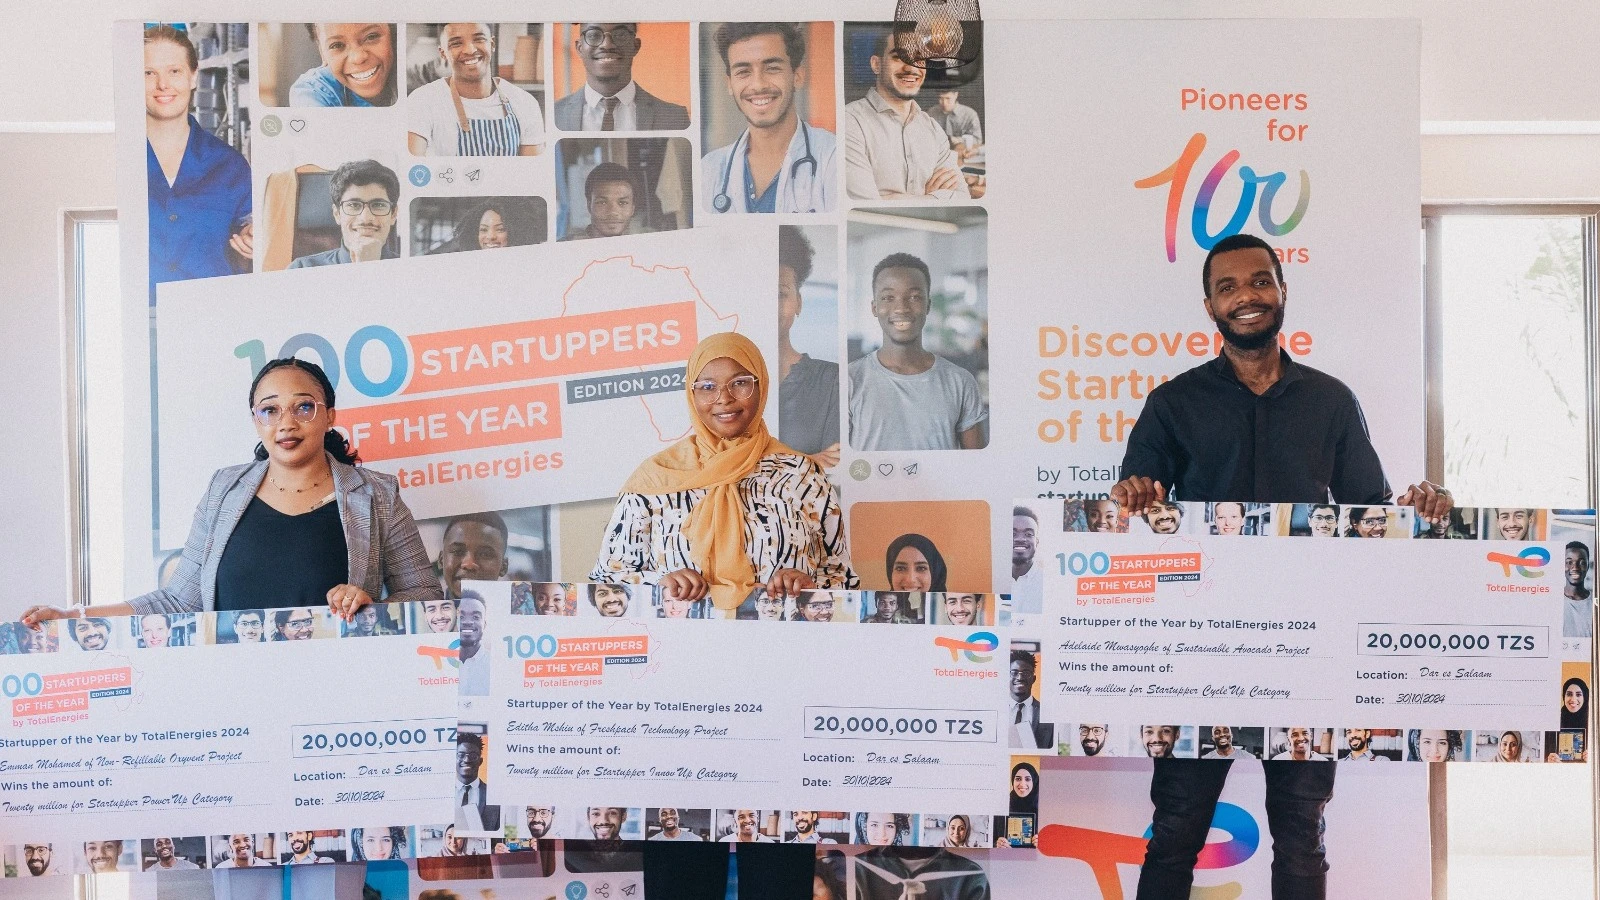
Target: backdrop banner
<point>502,239</point>
<point>488,389</point>
<point>1143,148</point>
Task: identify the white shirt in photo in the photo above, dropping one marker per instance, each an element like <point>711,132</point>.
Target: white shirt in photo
<point>1027,592</point>
<point>624,118</point>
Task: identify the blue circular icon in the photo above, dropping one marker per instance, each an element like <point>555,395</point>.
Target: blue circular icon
<point>576,890</point>
<point>420,176</point>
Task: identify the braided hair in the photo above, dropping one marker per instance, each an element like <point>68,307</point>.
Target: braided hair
<point>332,441</point>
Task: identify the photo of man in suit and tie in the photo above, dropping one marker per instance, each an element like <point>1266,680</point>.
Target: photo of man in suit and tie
<point>610,100</point>
<point>1027,732</point>
<point>474,813</point>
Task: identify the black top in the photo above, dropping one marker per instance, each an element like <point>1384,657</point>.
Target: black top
<point>1206,437</point>
<point>274,560</point>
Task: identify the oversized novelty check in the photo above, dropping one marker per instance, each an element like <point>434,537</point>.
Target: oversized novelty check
<point>1269,616</point>
<point>249,721</point>
<point>606,697</point>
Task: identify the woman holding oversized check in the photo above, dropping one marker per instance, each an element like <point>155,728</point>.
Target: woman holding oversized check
<point>720,513</point>
<point>728,508</point>
<point>300,526</point>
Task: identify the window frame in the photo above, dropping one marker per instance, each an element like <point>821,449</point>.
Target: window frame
<point>1433,399</point>
<point>75,389</point>
<point>1433,320</point>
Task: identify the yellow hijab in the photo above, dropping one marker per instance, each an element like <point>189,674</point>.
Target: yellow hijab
<point>715,527</point>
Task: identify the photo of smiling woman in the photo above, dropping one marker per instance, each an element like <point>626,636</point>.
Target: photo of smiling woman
<point>913,563</point>
<point>1574,704</point>
<point>457,224</point>
<point>197,177</point>
<point>1024,789</point>
<point>1436,744</point>
<point>328,64</point>
<point>304,499</point>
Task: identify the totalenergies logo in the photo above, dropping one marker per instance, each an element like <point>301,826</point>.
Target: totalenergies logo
<point>441,655</point>
<point>1104,851</point>
<point>978,646</point>
<point>1529,563</point>
<point>1176,176</point>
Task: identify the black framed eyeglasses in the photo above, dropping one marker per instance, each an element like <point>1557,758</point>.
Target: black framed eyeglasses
<point>353,207</point>
<point>621,36</point>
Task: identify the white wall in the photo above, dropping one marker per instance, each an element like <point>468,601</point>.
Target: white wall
<point>1542,168</point>
<point>42,175</point>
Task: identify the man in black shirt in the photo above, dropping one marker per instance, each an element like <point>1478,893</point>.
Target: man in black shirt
<point>1250,425</point>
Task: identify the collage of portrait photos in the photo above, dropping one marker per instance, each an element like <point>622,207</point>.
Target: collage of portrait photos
<point>174,631</point>
<point>644,601</point>
<point>438,853</point>
<point>291,145</point>
<point>866,856</point>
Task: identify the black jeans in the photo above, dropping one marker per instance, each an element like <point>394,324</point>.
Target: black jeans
<point>1185,793</point>
<point>686,870</point>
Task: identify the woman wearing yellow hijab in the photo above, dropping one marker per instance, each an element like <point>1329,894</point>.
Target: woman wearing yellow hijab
<point>727,508</point>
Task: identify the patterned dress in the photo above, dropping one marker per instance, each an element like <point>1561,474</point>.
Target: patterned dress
<point>792,521</point>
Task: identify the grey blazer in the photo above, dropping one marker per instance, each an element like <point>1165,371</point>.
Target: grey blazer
<point>654,113</point>
<point>384,548</point>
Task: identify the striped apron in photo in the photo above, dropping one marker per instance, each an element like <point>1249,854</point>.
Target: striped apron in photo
<point>487,137</point>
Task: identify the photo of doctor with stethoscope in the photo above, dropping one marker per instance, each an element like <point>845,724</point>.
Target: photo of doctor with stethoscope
<point>779,162</point>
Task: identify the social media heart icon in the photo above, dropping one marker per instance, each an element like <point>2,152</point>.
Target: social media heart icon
<point>886,469</point>
<point>577,890</point>
<point>297,125</point>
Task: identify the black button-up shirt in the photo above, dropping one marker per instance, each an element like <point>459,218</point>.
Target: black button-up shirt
<point>1207,437</point>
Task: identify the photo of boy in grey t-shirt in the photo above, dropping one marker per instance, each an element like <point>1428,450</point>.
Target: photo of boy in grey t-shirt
<point>903,397</point>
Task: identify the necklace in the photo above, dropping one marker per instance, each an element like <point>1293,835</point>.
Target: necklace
<point>284,490</point>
